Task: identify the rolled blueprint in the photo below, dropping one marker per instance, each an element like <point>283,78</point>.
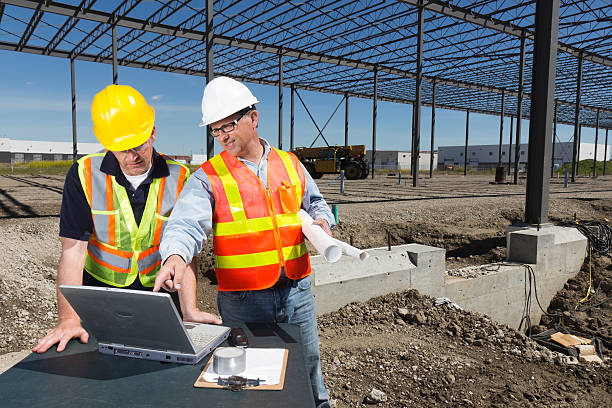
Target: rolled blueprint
<point>322,242</point>
<point>351,250</point>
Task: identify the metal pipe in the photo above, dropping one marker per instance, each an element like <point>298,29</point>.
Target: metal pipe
<point>416,131</point>
<point>115,72</point>
<point>519,109</point>
<point>467,134</point>
<point>210,69</point>
<point>596,140</point>
<point>575,152</point>
<point>374,112</point>
<point>74,126</point>
<point>292,125</point>
<point>501,130</point>
<point>280,102</point>
<point>433,127</point>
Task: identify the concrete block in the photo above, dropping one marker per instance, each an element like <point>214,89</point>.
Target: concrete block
<point>351,280</point>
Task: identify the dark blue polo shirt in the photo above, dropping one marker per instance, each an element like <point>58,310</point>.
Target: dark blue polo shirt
<point>75,213</point>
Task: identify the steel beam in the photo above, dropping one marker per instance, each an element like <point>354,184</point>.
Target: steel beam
<point>416,129</point>
<point>210,68</point>
<point>519,110</point>
<point>74,125</point>
<point>605,154</point>
<point>575,157</point>
<point>115,73</point>
<point>280,102</point>
<point>501,131</point>
<point>433,127</point>
<point>467,15</point>
<point>554,139</point>
<point>346,119</point>
<point>596,140</point>
<point>165,29</point>
<point>467,137</point>
<point>374,113</point>
<point>292,124</point>
<point>540,121</point>
<point>510,146</point>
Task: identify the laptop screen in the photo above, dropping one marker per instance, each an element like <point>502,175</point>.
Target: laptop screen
<point>129,317</point>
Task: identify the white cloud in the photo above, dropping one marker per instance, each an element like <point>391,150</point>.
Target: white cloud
<point>29,83</point>
<point>157,97</point>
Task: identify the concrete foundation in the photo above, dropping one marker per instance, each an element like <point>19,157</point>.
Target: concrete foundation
<point>554,254</point>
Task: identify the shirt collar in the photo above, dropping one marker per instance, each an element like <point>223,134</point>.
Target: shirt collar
<point>267,149</point>
<point>110,166</point>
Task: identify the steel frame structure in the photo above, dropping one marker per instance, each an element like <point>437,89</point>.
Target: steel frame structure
<point>476,52</point>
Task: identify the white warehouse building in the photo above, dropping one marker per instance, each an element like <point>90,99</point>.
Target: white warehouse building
<point>25,151</point>
<point>485,156</point>
<point>399,160</point>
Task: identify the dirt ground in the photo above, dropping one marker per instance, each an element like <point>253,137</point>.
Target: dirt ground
<point>400,344</point>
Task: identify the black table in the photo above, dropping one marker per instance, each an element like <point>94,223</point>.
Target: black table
<point>81,377</point>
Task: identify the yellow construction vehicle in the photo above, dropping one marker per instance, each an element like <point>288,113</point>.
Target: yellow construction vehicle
<point>332,159</point>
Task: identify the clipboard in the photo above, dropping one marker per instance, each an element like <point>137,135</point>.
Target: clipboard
<point>202,383</point>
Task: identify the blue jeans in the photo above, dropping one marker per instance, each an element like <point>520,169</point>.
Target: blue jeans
<point>293,303</point>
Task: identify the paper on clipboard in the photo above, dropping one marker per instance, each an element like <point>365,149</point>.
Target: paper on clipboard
<point>264,363</point>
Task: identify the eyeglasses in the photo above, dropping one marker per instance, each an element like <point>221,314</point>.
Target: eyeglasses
<point>137,149</point>
<point>228,127</point>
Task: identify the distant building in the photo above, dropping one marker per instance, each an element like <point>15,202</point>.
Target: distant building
<point>25,151</point>
<point>399,160</point>
<point>486,156</point>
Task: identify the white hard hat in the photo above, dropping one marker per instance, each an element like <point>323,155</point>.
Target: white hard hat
<point>223,97</point>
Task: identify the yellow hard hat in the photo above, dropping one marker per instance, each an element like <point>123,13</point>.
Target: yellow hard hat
<point>121,117</point>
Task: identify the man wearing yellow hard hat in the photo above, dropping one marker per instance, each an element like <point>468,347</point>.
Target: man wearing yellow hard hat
<point>115,206</point>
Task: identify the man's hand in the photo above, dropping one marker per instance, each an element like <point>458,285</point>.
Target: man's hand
<point>321,222</point>
<point>197,316</point>
<point>170,276</point>
<point>62,333</point>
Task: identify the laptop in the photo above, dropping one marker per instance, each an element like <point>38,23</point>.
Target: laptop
<point>141,324</point>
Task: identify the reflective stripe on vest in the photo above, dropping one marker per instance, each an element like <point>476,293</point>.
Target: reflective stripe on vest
<point>256,231</point>
<point>119,250</point>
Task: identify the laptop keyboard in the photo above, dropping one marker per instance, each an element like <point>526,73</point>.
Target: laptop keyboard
<point>200,339</point>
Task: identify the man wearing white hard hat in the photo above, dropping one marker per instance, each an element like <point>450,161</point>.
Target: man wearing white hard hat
<point>249,196</point>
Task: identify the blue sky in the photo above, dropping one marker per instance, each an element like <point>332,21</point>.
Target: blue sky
<point>35,105</point>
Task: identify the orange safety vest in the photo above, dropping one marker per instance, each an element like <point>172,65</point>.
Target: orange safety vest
<point>257,231</point>
<point>119,250</point>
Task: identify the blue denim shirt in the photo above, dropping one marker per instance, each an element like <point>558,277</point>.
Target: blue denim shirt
<point>191,219</point>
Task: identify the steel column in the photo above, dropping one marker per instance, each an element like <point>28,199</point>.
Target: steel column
<point>596,140</point>
<point>541,115</point>
<point>433,127</point>
<point>374,112</point>
<point>510,145</point>
<point>554,137</point>
<point>74,127</point>
<point>578,152</point>
<point>346,119</point>
<point>605,154</point>
<point>280,102</point>
<point>292,125</point>
<point>115,73</point>
<point>210,69</point>
<point>467,136</point>
<point>416,130</point>
<point>519,110</point>
<point>501,131</point>
<point>575,157</point>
